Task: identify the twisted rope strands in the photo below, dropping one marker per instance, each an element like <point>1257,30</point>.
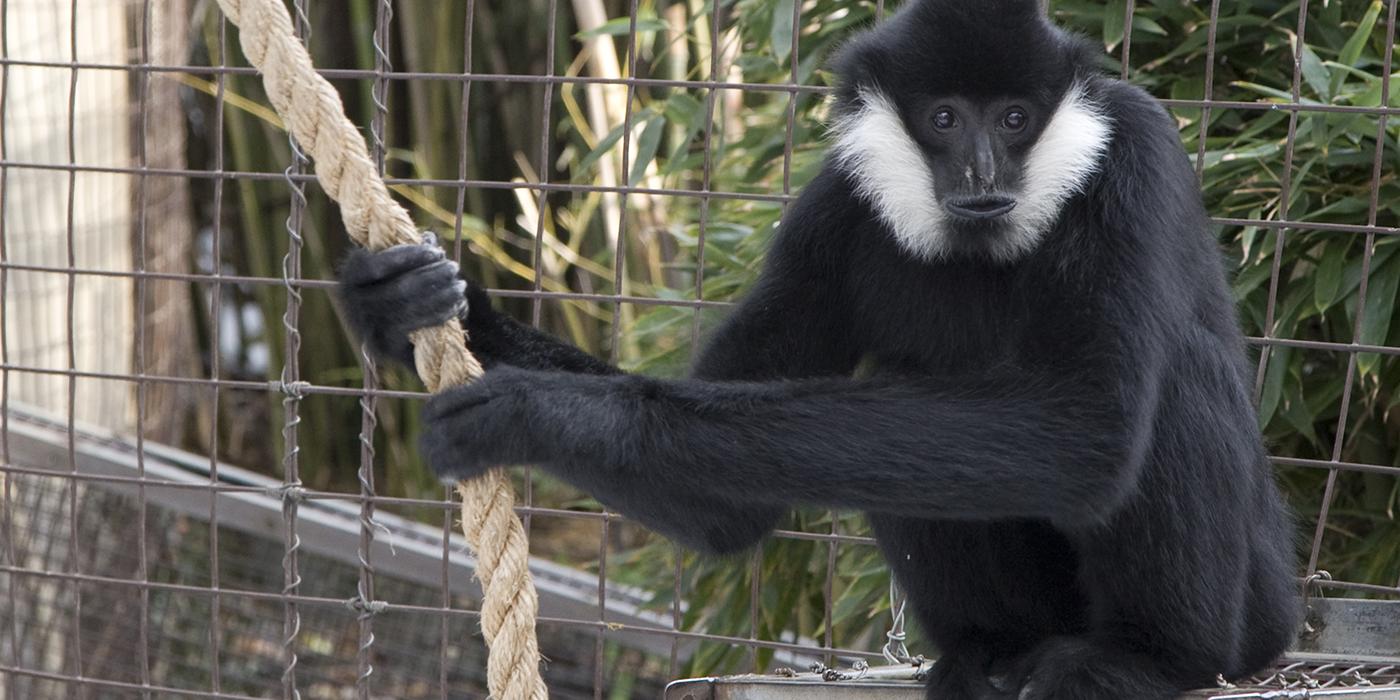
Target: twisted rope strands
<point>315,116</point>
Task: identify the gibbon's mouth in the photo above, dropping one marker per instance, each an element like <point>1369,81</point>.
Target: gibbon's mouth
<point>985,206</point>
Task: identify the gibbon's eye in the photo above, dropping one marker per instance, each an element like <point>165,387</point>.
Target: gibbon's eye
<point>1014,120</point>
<point>944,119</point>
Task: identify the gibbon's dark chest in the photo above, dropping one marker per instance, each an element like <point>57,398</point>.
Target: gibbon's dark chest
<point>948,318</point>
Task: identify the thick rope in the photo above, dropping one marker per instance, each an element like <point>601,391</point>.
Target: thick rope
<point>315,116</point>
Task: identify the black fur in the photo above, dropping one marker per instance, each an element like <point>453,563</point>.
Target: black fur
<point>1059,454</point>
<point>987,49</point>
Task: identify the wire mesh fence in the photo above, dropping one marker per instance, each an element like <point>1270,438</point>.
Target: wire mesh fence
<point>611,170</point>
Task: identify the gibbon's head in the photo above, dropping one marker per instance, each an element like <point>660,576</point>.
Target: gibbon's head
<point>967,126</point>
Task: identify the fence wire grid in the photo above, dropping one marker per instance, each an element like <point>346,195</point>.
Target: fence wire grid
<point>609,169</point>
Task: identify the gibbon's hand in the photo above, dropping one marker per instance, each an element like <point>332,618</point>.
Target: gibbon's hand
<point>591,430</point>
<point>388,294</point>
<point>520,416</point>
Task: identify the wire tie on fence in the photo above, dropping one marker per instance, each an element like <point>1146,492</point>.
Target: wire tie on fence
<point>296,390</point>
<point>366,607</point>
<point>1312,624</point>
<point>287,492</point>
<point>861,668</point>
<point>894,650</point>
<point>921,667</point>
<point>375,524</point>
<point>1311,582</point>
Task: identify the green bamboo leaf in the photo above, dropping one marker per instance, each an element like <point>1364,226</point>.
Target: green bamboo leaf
<point>1351,51</point>
<point>1147,24</point>
<point>620,26</point>
<point>1192,88</point>
<point>756,68</point>
<point>682,108</point>
<point>1328,278</point>
<point>611,139</point>
<point>1114,15</point>
<point>1328,395</point>
<point>1318,133</point>
<point>780,36</point>
<point>1273,92</point>
<point>1274,376</point>
<point>1348,206</point>
<point>1380,310</point>
<point>647,144</point>
<point>1295,306</point>
<point>1263,150</point>
<point>1296,413</point>
<point>1316,74</point>
<point>1372,96</point>
<point>1335,66</point>
<point>855,600</point>
<point>1351,278</point>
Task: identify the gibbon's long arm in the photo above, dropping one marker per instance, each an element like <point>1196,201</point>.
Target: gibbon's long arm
<point>698,519</point>
<point>497,339</point>
<point>1016,448</point>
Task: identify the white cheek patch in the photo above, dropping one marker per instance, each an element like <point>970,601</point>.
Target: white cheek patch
<point>890,173</point>
<point>889,170</point>
<point>1068,152</point>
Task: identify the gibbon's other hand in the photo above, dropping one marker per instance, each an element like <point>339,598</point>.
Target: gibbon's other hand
<point>388,294</point>
<point>510,416</point>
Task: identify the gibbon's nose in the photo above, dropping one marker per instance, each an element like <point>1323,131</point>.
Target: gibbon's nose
<point>984,165</point>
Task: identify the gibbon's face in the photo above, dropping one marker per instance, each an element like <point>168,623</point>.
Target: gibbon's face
<point>968,126</point>
<point>970,176</point>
